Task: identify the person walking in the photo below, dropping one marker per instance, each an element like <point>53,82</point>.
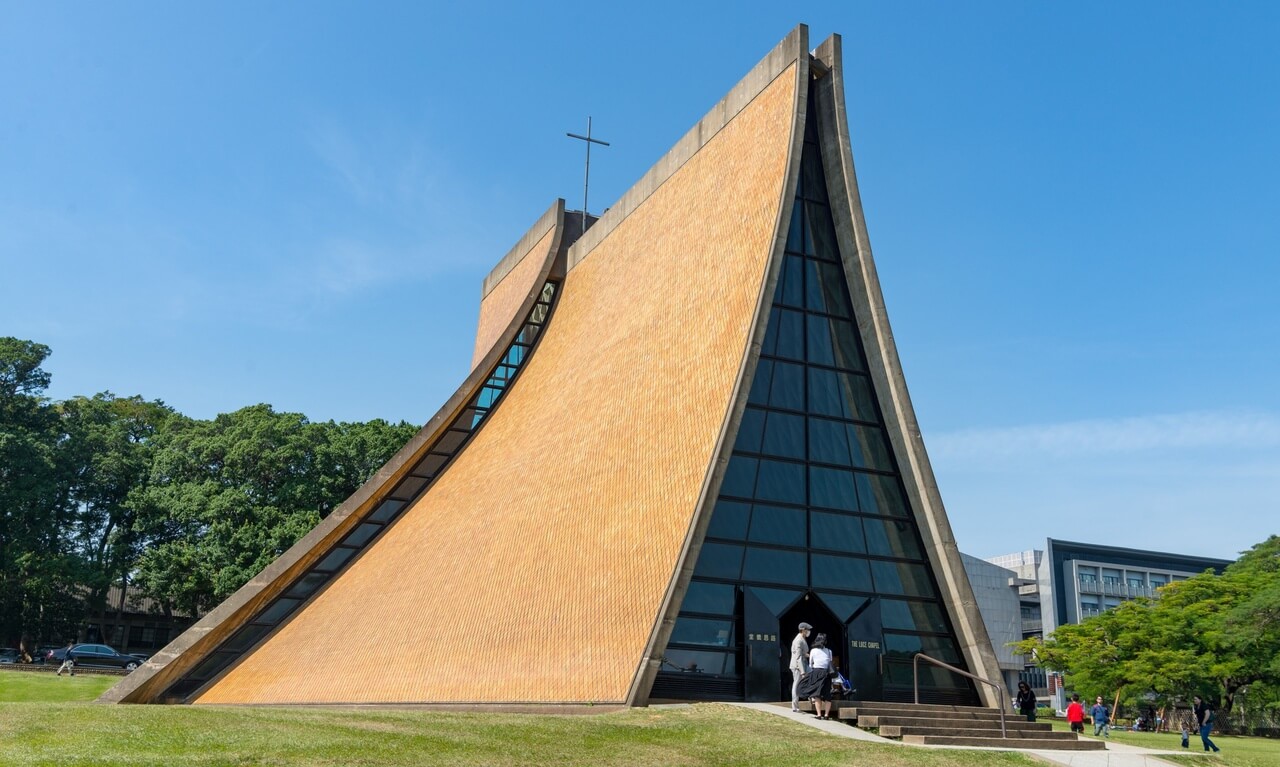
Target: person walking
<point>1025,701</point>
<point>1204,720</point>
<point>1101,718</point>
<point>1075,714</point>
<point>817,683</point>
<point>68,663</point>
<point>799,663</point>
<point>1184,724</point>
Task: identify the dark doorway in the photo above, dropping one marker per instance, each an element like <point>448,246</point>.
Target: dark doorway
<point>810,609</point>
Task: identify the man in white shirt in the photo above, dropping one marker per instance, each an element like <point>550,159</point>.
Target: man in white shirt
<point>799,663</point>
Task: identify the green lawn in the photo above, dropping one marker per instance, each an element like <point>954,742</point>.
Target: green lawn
<point>1236,751</point>
<point>31,687</point>
<point>81,733</point>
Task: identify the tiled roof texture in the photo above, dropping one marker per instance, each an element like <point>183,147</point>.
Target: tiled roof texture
<point>499,306</point>
<point>535,568</point>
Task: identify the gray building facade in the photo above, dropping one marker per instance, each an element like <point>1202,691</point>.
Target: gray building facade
<point>1068,582</point>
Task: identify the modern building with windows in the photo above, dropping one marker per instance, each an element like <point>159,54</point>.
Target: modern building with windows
<point>1068,582</point>
<point>686,431</point>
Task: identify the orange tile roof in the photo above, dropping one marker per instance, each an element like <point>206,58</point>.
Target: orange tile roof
<point>535,568</point>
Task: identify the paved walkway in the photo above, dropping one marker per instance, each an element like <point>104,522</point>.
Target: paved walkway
<point>1116,755</point>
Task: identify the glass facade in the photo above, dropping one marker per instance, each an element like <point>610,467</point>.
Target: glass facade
<point>812,504</point>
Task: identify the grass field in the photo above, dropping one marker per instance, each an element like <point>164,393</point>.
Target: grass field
<point>34,732</point>
<point>1236,751</point>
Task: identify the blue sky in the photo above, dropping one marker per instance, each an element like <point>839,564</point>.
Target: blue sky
<point>1073,208</point>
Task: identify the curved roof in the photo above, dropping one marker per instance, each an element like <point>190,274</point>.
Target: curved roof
<point>552,540</point>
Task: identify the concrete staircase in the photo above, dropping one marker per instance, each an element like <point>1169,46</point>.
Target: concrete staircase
<point>940,725</point>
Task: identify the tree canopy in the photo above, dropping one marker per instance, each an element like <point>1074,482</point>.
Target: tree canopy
<point>103,490</point>
<point>1210,635</point>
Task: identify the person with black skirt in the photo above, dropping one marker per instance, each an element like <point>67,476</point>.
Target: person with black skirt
<point>816,685</point>
<point>1026,701</point>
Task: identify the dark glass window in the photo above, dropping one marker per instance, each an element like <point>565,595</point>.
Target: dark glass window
<point>824,288</point>
<point>715,598</point>
<point>362,534</point>
<point>878,494</point>
<point>795,234</point>
<point>815,187</point>
<point>847,351</point>
<point>775,566</point>
<point>703,631</point>
<point>784,436</point>
<point>892,538</point>
<point>791,287</point>
<point>775,524</point>
<point>750,431</point>
<point>818,340</point>
<point>868,448</point>
<point>842,395</point>
<point>832,488</point>
<point>911,616</point>
<point>700,661</point>
<point>787,390</point>
<point>386,511</point>
<point>822,234</point>
<point>760,385</point>
<point>335,560</point>
<point>941,648</point>
<point>901,578</point>
<point>307,585</point>
<point>829,441</point>
<point>278,609</point>
<point>719,560</point>
<point>847,573</point>
<point>779,481</point>
<point>740,477</point>
<point>729,520</point>
<point>839,532</point>
<point>790,336</point>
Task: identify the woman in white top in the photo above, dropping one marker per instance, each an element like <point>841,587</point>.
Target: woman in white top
<point>817,683</point>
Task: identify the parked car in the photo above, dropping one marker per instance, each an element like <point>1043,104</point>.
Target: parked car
<point>96,655</point>
<point>10,655</point>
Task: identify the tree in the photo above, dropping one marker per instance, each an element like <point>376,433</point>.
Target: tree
<point>226,497</point>
<point>38,572</point>
<point>111,446</point>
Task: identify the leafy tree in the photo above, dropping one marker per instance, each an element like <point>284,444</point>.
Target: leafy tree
<point>226,497</point>
<point>112,444</point>
<point>38,572</point>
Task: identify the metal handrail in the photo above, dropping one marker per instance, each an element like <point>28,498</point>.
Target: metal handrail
<point>915,679</point>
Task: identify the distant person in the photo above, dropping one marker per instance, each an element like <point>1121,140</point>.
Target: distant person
<point>1075,714</point>
<point>68,663</point>
<point>1025,701</point>
<point>1185,724</point>
<point>817,683</point>
<point>1204,720</point>
<point>1101,718</point>
<point>799,663</point>
<point>1151,719</point>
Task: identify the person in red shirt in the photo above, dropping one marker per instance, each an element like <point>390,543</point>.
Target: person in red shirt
<point>1075,714</point>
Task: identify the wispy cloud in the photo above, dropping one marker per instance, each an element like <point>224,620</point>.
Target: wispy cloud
<point>1177,431</point>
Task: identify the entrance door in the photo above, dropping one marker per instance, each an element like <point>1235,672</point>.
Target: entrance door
<point>812,610</point>
<point>760,677</point>
<point>865,652</point>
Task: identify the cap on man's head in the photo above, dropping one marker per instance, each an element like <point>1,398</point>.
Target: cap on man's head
<point>805,627</point>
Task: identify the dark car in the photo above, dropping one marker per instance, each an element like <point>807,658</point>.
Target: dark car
<point>10,655</point>
<point>96,655</point>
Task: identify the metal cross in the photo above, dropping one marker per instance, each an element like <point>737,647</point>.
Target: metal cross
<point>586,181</point>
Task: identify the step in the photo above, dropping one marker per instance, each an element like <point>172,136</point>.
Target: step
<point>1037,744</point>
<point>928,707</point>
<point>941,716</point>
<point>899,730</point>
<point>880,720</point>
